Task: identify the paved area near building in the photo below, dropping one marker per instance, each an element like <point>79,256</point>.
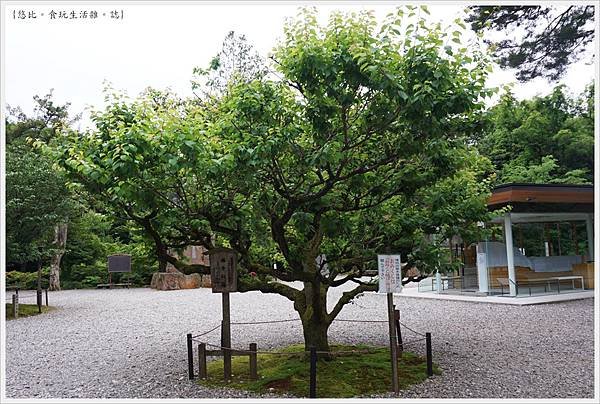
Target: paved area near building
<point>130,343</point>
<point>497,299</point>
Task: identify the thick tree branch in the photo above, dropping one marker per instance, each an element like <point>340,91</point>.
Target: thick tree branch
<point>348,296</point>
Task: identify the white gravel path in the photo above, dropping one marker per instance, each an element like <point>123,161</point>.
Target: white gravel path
<point>131,343</point>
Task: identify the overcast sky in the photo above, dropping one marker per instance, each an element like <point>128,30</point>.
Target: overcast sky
<point>159,45</point>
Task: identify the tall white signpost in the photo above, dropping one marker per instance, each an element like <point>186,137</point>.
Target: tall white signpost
<point>390,281</point>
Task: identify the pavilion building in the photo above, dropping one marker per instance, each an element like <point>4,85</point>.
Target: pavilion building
<point>556,252</point>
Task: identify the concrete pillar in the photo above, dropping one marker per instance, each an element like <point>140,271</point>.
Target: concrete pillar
<point>482,272</point>
<point>510,256</point>
<point>589,226</point>
<point>438,282</point>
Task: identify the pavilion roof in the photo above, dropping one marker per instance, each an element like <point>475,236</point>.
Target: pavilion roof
<point>543,198</point>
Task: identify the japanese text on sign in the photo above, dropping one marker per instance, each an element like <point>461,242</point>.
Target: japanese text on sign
<point>390,277</point>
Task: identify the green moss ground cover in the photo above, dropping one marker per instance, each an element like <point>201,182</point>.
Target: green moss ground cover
<point>348,375</point>
<point>25,310</point>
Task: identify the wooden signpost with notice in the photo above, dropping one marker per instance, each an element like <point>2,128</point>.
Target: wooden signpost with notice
<point>390,281</point>
<point>223,274</point>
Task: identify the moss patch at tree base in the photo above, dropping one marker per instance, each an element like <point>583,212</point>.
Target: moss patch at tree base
<point>345,375</point>
<point>25,310</point>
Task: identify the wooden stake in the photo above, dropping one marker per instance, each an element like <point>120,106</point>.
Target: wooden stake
<point>226,338</point>
<point>202,373</point>
<point>190,357</point>
<point>15,304</point>
<point>393,346</point>
<point>398,330</point>
<point>429,355</point>
<point>253,364</point>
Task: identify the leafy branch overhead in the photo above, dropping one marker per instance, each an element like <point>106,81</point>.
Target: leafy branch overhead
<point>548,39</point>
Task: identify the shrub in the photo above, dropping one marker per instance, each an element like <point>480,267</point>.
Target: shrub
<point>26,280</point>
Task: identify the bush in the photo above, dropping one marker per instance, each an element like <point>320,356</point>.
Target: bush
<point>91,281</point>
<point>71,285</point>
<point>97,270</point>
<point>26,280</point>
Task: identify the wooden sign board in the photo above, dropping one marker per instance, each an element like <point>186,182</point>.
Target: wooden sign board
<point>223,270</point>
<point>390,276</point>
<point>119,263</point>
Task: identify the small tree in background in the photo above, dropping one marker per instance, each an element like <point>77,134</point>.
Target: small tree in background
<point>35,206</point>
<point>236,61</point>
<point>38,203</point>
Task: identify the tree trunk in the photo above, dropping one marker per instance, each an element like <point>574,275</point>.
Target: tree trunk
<point>315,321</point>
<point>60,241</point>
<point>162,264</point>
<point>315,334</point>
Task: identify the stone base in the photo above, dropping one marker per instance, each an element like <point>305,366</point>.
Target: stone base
<point>206,283</point>
<point>176,281</point>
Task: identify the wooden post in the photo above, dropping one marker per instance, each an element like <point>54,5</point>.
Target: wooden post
<point>39,300</point>
<point>39,287</point>
<point>15,305</point>
<point>253,364</point>
<point>393,346</point>
<point>46,290</point>
<point>398,330</point>
<point>429,357</point>
<point>312,393</point>
<point>202,373</point>
<point>574,238</point>
<point>190,357</point>
<point>226,347</point>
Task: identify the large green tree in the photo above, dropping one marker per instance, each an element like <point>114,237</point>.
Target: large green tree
<point>37,200</point>
<point>358,148</point>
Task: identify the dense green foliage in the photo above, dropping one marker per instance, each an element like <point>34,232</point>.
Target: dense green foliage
<point>355,146</point>
<point>548,40</point>
<point>35,203</point>
<point>92,238</point>
<point>38,197</point>
<point>543,140</point>
<point>348,375</point>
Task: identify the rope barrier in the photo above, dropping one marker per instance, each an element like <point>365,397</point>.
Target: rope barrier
<point>209,331</point>
<point>413,341</point>
<point>360,321</point>
<point>266,322</point>
<point>333,353</point>
<point>296,319</point>
<point>243,351</point>
<point>22,296</point>
<point>410,329</point>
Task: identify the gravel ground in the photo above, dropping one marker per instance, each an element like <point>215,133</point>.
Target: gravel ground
<point>131,344</point>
